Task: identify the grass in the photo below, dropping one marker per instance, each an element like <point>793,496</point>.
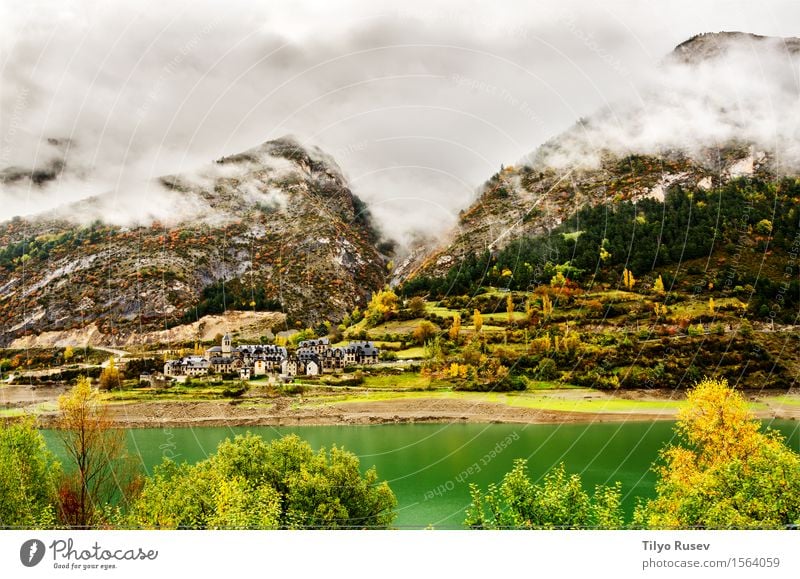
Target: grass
<point>550,401</point>
<point>441,311</point>
<point>174,393</point>
<point>787,399</point>
<point>694,308</point>
<point>35,409</point>
<point>485,328</point>
<point>394,327</point>
<point>411,353</point>
<point>503,317</point>
<point>406,380</point>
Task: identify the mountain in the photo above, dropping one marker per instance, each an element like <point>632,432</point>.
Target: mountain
<point>721,108</point>
<point>273,228</point>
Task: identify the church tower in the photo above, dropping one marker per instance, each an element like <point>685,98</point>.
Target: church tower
<point>226,345</point>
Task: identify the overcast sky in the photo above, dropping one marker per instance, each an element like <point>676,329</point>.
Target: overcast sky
<point>419,102</point>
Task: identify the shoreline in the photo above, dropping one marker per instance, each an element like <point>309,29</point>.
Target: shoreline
<point>402,410</point>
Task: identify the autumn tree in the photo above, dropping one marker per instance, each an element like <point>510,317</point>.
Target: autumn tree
<point>605,255</point>
<point>477,320</point>
<point>711,306</point>
<point>658,286</point>
<point>253,484</point>
<point>728,473</point>
<point>628,281</point>
<point>510,308</point>
<point>558,502</point>
<point>547,306</point>
<point>423,332</point>
<point>29,477</point>
<point>69,353</point>
<point>455,328</point>
<point>416,307</point>
<point>558,280</point>
<point>382,307</point>
<point>110,376</point>
<point>98,470</point>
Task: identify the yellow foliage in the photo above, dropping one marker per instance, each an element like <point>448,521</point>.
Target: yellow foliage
<point>477,320</point>
<point>558,280</point>
<point>628,280</point>
<point>547,305</point>
<point>455,328</point>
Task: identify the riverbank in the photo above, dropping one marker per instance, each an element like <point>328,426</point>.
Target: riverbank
<point>354,407</point>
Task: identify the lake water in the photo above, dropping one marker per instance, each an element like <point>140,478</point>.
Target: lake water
<point>430,466</point>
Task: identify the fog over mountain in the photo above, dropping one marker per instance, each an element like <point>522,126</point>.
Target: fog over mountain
<point>418,103</point>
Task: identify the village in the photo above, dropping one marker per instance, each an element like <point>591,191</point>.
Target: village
<point>311,358</point>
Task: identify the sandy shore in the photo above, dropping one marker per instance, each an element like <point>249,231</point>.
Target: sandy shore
<point>288,411</point>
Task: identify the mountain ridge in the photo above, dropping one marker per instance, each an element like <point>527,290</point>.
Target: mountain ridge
<point>581,166</point>
<point>279,230</point>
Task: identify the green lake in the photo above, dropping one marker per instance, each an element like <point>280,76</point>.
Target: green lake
<point>430,466</point>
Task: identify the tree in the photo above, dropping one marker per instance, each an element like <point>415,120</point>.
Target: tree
<point>558,502</point>
<point>658,286</point>
<point>416,306</point>
<point>477,320</point>
<point>727,474</point>
<point>547,306</point>
<point>110,376</point>
<point>69,353</point>
<point>628,280</point>
<point>29,477</point>
<point>605,255</point>
<point>382,307</point>
<point>250,483</point>
<point>558,280</point>
<point>98,471</point>
<point>764,227</point>
<point>424,332</point>
<point>455,329</point>
<point>510,308</point>
<point>711,306</point>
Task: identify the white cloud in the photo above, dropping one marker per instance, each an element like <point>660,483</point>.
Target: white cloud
<point>417,100</point>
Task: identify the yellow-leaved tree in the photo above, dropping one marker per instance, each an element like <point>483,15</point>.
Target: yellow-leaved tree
<point>382,306</point>
<point>98,470</point>
<point>727,474</point>
<point>455,328</point>
<point>110,377</point>
<point>477,320</point>
<point>510,308</point>
<point>628,280</point>
<point>547,306</point>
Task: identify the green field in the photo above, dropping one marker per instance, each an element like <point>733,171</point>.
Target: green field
<point>406,380</point>
<point>411,353</point>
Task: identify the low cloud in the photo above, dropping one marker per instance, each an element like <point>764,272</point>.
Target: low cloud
<point>418,104</point>
<point>745,90</point>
